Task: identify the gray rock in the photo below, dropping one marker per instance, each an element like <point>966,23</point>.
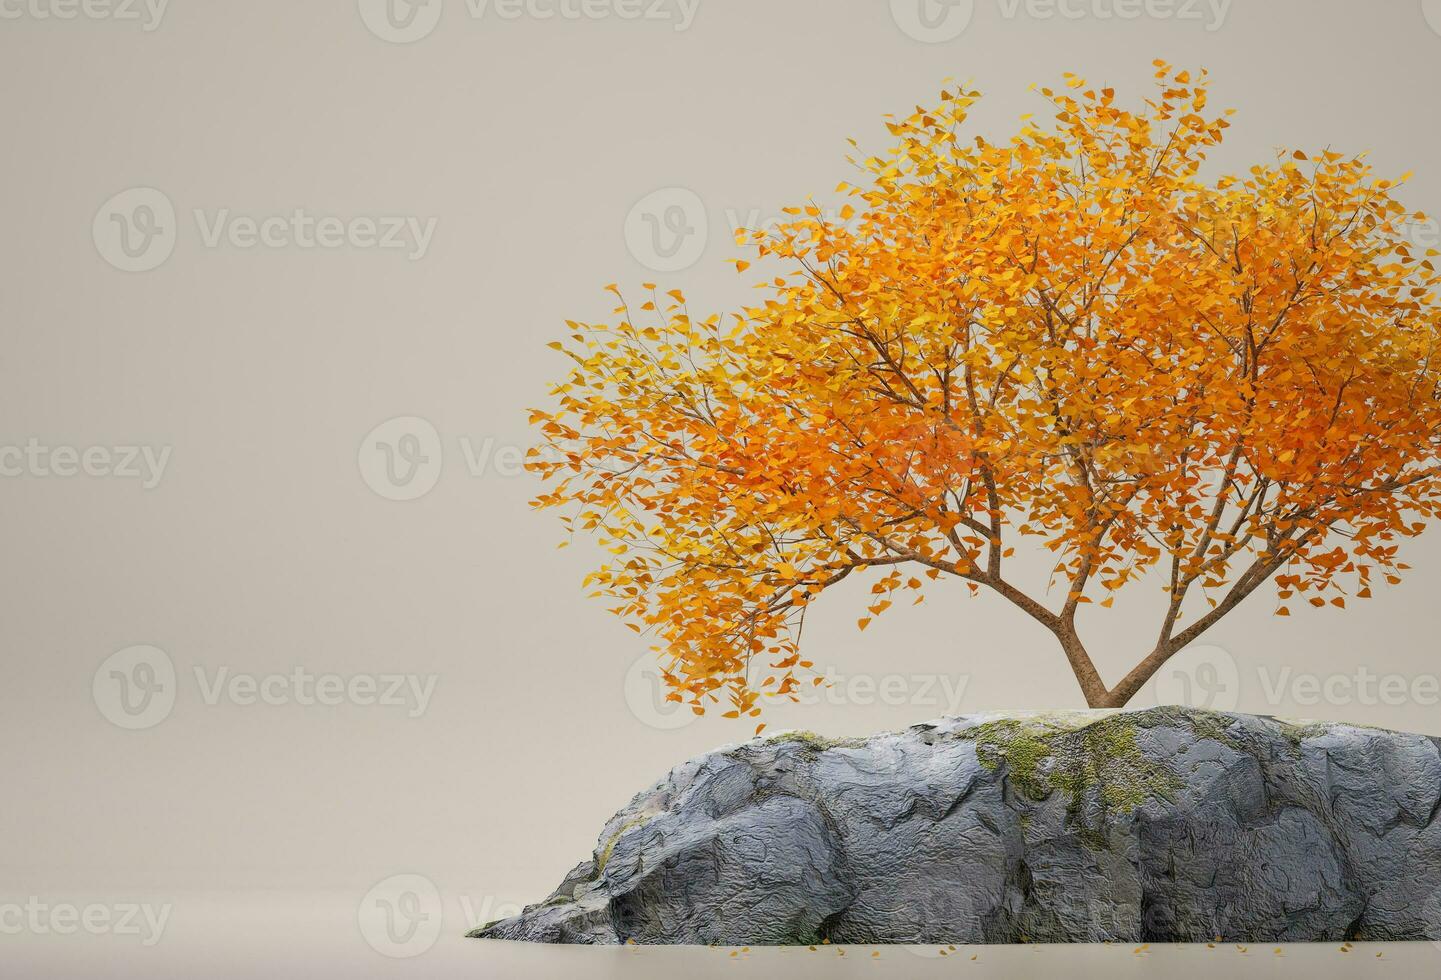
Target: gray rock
<point>1160,825</point>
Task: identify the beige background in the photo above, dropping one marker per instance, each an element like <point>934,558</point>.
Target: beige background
<point>264,549</point>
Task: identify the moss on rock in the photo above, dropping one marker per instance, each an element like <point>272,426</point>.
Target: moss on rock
<point>819,743</point>
<point>604,855</point>
<point>1075,755</point>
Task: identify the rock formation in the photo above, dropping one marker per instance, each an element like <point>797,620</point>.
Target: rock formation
<point>1161,825</point>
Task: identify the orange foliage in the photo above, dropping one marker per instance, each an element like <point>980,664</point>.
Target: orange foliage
<point>1070,335</point>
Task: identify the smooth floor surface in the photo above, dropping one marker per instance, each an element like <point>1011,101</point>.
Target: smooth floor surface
<point>320,936</point>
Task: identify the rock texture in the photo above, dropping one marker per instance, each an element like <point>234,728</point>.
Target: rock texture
<point>1158,825</point>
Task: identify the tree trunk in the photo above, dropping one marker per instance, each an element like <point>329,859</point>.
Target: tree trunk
<point>1094,689</point>
<point>1139,675</point>
<point>1090,680</point>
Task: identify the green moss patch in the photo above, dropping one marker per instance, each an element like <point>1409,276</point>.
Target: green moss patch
<point>1046,754</point>
<point>819,743</point>
<point>605,853</point>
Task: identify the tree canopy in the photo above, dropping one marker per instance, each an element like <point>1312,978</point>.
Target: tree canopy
<point>1071,336</point>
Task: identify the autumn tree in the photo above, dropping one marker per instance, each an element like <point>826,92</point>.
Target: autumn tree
<point>1069,336</point>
